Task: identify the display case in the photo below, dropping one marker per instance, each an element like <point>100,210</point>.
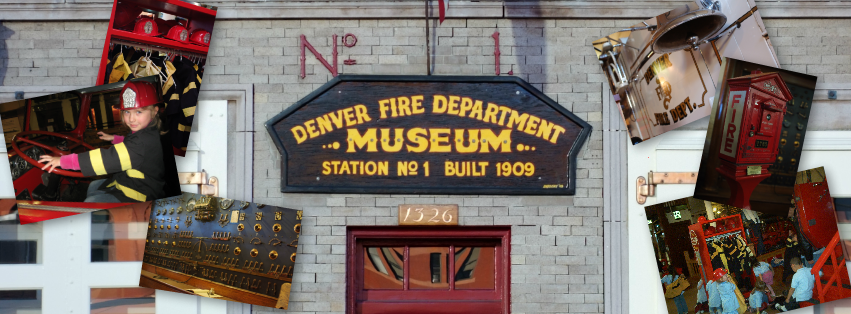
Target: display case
<point>705,232</point>
<point>166,38</point>
<point>222,248</point>
<point>192,15</point>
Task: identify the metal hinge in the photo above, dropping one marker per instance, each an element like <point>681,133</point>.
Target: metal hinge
<point>200,179</point>
<point>643,189</point>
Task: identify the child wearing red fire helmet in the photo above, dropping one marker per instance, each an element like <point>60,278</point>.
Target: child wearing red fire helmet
<point>135,162</point>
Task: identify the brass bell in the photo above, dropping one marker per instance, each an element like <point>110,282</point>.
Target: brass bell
<point>257,227</point>
<point>273,255</point>
<point>686,27</point>
<point>297,228</point>
<point>236,251</point>
<point>276,228</point>
<point>253,252</point>
<point>240,227</point>
<point>292,258</point>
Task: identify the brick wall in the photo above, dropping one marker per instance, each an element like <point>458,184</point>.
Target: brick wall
<point>556,241</point>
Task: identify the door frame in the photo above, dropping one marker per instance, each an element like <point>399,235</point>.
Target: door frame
<point>76,230</point>
<point>619,187</point>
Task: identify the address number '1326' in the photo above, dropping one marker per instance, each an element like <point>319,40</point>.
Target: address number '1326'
<point>428,215</point>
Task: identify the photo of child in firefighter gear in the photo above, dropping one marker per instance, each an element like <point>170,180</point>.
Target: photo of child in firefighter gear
<point>135,162</point>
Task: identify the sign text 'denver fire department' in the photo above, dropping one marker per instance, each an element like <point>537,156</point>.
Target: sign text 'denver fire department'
<point>428,134</point>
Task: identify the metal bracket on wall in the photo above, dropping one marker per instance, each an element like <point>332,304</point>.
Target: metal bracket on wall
<point>200,179</point>
<point>645,187</point>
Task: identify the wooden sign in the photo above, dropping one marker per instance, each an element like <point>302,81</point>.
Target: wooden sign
<point>428,135</point>
<point>428,215</point>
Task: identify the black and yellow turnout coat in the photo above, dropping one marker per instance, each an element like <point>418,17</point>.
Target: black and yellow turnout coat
<point>136,165</point>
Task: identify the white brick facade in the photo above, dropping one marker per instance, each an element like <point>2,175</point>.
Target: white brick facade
<point>557,242</point>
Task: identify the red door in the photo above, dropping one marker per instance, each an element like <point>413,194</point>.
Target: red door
<point>428,269</point>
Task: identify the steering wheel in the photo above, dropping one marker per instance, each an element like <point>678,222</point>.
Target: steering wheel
<point>20,138</point>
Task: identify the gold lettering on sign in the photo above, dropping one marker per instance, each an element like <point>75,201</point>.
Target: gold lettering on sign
<point>278,215</point>
<point>241,216</point>
<point>258,216</point>
<point>428,214</point>
<point>441,138</point>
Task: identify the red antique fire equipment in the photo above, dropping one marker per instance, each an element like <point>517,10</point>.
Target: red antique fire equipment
<point>706,232</point>
<point>755,107</point>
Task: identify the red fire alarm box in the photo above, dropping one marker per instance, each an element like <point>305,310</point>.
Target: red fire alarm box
<point>756,104</point>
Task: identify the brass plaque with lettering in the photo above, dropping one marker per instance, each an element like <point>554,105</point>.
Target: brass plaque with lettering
<point>428,215</point>
<point>752,170</point>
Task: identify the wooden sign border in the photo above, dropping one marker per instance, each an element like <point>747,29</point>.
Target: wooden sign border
<point>570,189</point>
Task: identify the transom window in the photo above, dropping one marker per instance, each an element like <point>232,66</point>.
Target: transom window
<point>453,269</point>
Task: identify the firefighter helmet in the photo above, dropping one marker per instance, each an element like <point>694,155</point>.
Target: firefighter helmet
<point>138,94</point>
<point>720,272</point>
<point>178,33</point>
<point>731,224</point>
<point>146,26</point>
<point>200,37</point>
